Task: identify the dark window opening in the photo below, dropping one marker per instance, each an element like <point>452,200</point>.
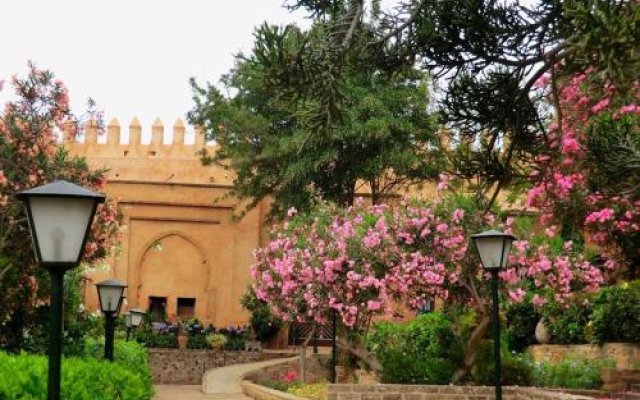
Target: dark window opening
<point>186,307</point>
<point>157,308</point>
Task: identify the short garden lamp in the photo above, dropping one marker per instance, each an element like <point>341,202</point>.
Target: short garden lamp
<point>110,294</point>
<point>493,249</point>
<point>133,319</point>
<point>60,216</point>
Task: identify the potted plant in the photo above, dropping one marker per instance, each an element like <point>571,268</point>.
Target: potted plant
<point>216,340</point>
<point>183,338</point>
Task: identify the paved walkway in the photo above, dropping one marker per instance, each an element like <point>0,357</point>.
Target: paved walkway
<point>217,384</point>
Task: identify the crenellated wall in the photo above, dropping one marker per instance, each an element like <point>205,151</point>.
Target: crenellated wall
<point>179,239</point>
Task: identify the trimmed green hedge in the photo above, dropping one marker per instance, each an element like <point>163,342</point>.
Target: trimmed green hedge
<point>24,376</point>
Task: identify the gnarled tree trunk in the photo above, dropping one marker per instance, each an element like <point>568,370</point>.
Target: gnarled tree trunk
<point>471,349</point>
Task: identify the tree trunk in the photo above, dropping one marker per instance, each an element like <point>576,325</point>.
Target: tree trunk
<point>471,349</point>
<point>361,352</point>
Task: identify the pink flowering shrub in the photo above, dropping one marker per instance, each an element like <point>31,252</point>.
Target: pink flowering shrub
<point>377,261</point>
<point>577,178</point>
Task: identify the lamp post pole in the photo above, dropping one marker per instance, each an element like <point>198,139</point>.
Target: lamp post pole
<point>109,324</point>
<point>55,334</point>
<point>496,334</point>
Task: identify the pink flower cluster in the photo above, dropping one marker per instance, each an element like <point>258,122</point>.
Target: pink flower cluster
<point>358,262</point>
<point>561,173</point>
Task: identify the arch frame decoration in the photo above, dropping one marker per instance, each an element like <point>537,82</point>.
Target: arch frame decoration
<point>136,272</point>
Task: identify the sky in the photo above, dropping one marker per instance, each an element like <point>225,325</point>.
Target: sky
<point>134,58</point>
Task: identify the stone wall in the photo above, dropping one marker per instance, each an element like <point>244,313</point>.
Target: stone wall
<point>439,392</point>
<point>626,355</point>
<point>173,366</point>
<point>316,370</point>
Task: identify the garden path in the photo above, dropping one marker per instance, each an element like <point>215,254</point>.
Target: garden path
<point>217,384</point>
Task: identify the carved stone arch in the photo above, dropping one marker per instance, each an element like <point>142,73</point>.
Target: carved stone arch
<point>147,247</point>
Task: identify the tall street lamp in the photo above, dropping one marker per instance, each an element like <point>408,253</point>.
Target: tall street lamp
<point>110,294</point>
<point>60,216</point>
<point>493,248</point>
<point>133,319</point>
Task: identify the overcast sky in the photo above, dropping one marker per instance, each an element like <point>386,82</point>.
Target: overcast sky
<point>133,57</point>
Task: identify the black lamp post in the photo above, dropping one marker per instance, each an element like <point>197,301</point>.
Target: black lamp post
<point>493,248</point>
<point>110,293</point>
<point>133,319</point>
<point>60,216</point>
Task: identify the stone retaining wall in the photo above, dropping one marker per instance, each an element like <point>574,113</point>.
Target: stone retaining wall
<point>626,355</point>
<point>174,366</point>
<point>316,370</point>
<point>440,392</point>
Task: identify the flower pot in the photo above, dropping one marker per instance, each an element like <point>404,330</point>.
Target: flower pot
<point>182,341</point>
<point>542,333</point>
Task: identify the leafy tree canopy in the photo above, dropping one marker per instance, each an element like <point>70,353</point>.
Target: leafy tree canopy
<point>276,134</point>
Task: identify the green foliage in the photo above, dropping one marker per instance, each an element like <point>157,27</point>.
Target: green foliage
<point>516,368</point>
<point>131,355</point>
<point>522,319</point>
<point>24,377</point>
<point>355,124</point>
<point>313,391</point>
<point>149,339</point>
<point>217,340</point>
<point>616,314</point>
<point>198,341</point>
<point>567,324</point>
<point>263,323</point>
<point>78,323</point>
<point>424,351</point>
<point>570,373</point>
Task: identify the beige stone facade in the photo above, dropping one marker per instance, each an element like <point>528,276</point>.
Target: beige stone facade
<point>180,251</point>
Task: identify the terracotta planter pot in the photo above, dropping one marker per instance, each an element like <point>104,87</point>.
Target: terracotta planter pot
<point>182,341</point>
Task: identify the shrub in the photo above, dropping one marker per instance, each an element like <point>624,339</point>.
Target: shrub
<point>263,323</point>
<point>567,324</point>
<point>217,340</point>
<point>571,373</point>
<point>24,377</point>
<point>522,319</point>
<point>198,341</point>
<point>424,351</point>
<point>314,391</point>
<point>130,355</point>
<point>616,314</point>
<point>516,368</point>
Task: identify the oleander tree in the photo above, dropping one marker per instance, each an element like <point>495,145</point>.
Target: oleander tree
<point>368,262</point>
<point>585,181</point>
<point>30,155</point>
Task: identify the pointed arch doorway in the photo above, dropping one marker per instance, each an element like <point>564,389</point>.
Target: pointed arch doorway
<point>173,276</point>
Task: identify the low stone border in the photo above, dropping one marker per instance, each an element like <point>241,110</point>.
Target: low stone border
<point>259,392</point>
<point>439,392</point>
<point>186,367</point>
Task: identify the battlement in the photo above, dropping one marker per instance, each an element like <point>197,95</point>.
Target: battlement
<point>114,147</point>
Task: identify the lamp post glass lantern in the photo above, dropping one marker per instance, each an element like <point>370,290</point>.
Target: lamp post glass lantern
<point>110,294</point>
<point>60,216</point>
<point>493,249</point>
<point>133,319</point>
